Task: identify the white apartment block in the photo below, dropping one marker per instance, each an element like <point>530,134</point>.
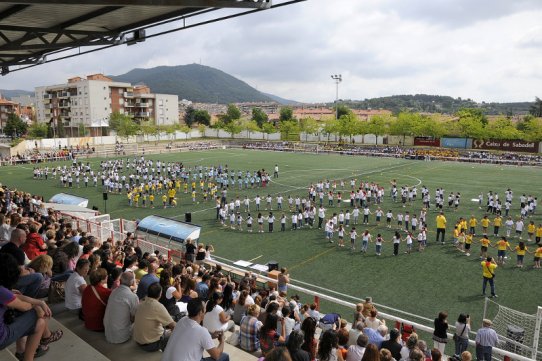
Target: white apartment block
<point>91,100</point>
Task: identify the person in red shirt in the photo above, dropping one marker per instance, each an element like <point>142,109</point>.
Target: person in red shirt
<point>94,300</point>
<point>34,245</point>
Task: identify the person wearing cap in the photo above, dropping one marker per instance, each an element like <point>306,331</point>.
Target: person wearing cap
<point>486,339</point>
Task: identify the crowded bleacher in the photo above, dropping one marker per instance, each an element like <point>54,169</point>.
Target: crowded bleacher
<point>150,298</point>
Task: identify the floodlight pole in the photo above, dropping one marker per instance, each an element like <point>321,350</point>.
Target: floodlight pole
<point>338,78</point>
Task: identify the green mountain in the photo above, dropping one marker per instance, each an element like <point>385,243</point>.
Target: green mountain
<point>437,104</point>
<point>195,82</point>
<point>8,94</point>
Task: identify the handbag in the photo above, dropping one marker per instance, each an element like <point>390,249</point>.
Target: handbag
<point>457,337</point>
<point>234,338</point>
<point>57,293</point>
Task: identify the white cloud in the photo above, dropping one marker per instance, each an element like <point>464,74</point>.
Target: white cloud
<point>485,50</point>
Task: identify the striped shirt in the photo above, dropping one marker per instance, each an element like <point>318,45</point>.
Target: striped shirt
<point>486,336</point>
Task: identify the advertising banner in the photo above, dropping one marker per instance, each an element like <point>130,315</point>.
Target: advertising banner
<point>506,145</point>
<point>464,143</point>
<point>427,142</point>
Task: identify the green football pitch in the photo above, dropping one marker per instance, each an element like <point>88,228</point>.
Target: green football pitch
<point>440,278</point>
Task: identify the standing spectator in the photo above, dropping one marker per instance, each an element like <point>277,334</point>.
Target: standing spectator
<point>488,273</point>
<point>120,311</point>
<point>190,253</point>
<point>94,300</point>
<point>439,334</point>
<point>189,339</point>
<point>150,321</point>
<point>486,339</point>
<point>283,280</point>
<point>149,278</point>
<point>75,286</point>
<point>441,227</point>
<point>461,336</point>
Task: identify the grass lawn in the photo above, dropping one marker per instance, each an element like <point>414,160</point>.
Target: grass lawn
<point>440,278</point>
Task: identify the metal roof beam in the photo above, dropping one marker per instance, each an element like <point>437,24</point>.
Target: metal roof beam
<point>35,30</point>
<point>85,17</point>
<point>51,46</point>
<point>12,11</point>
<point>249,4</point>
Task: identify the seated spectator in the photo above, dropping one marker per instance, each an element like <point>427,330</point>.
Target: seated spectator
<point>75,285</point>
<point>310,343</point>
<point>43,264</point>
<point>422,346</point>
<point>151,320</point>
<point>149,278</point>
<point>249,330</point>
<point>416,355</point>
<point>94,300</point>
<point>376,337</point>
<point>355,352</point>
<point>371,353</point>
<point>385,355</point>
<point>190,339</point>
<point>34,245</point>
<point>188,285</point>
<point>436,355</point>
<point>269,336</point>
<point>466,356</point>
<point>171,294</point>
<point>295,340</point>
<point>240,307</point>
<point>28,322</point>
<point>279,354</point>
<point>289,322</point>
<point>29,282</point>
<point>411,343</point>
<point>64,259</point>
<point>354,333</point>
<point>202,288</point>
<point>394,344</point>
<point>142,269</point>
<point>215,318</point>
<point>328,348</point>
<point>120,311</point>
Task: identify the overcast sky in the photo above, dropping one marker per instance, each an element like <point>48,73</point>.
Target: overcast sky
<point>481,49</point>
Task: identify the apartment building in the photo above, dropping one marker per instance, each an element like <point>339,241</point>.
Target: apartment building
<point>91,100</point>
<point>6,108</point>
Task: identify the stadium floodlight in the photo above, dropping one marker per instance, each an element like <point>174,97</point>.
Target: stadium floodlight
<point>338,78</point>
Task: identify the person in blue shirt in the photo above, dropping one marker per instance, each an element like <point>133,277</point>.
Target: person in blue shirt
<point>148,279</point>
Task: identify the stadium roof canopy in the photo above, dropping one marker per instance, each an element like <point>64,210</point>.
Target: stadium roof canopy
<point>36,32</point>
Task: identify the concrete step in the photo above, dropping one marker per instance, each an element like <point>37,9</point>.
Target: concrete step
<point>128,350</point>
<point>69,347</point>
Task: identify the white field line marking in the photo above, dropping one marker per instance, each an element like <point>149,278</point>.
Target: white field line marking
<point>250,260</point>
